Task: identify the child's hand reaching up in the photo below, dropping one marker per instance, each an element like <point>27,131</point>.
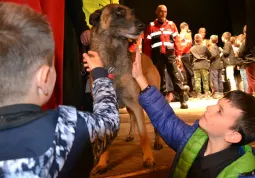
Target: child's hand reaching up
<point>137,66</point>
<point>137,71</point>
<point>92,60</point>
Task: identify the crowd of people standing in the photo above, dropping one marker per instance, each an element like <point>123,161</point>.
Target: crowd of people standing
<point>196,68</point>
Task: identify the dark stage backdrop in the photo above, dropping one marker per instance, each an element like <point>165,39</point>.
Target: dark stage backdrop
<point>217,16</point>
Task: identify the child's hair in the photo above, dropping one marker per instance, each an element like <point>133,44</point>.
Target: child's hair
<point>201,29</point>
<point>26,43</point>
<point>183,25</point>
<point>226,35</point>
<point>214,39</point>
<point>245,124</point>
<point>198,39</point>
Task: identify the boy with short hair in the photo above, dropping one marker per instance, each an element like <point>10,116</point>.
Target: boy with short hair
<point>62,142</point>
<point>216,68</point>
<point>229,59</point>
<point>216,145</point>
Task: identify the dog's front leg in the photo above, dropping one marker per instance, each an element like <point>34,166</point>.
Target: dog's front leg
<point>136,109</point>
<point>131,134</point>
<point>148,160</point>
<point>102,165</point>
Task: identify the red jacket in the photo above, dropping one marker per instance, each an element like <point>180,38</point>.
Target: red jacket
<point>163,36</point>
<point>186,42</point>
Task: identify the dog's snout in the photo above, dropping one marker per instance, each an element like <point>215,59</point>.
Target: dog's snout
<point>140,25</point>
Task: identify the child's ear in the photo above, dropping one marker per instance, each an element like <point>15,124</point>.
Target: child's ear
<point>233,137</point>
<point>42,77</point>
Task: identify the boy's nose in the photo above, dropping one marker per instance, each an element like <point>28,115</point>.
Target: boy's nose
<point>212,109</point>
<point>209,109</point>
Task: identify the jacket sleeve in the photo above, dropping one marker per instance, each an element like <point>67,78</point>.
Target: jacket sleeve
<point>177,46</point>
<point>103,124</point>
<point>242,50</point>
<point>191,58</point>
<point>147,41</point>
<point>188,41</point>
<point>208,54</point>
<point>214,54</point>
<point>192,55</point>
<point>227,49</point>
<point>170,127</point>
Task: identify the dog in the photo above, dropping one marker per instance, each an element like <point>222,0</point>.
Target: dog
<point>113,27</point>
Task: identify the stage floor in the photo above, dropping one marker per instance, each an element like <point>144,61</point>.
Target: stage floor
<point>126,157</point>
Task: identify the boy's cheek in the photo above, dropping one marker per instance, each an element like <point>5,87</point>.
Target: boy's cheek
<point>202,123</point>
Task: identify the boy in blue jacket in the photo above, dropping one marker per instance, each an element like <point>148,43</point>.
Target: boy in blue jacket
<point>216,145</point>
<point>62,142</point>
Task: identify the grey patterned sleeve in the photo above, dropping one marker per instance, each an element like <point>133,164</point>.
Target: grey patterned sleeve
<point>103,124</point>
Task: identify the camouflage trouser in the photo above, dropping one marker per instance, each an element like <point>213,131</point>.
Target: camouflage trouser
<point>204,74</point>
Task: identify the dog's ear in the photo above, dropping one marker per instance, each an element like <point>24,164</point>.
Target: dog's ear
<point>94,18</point>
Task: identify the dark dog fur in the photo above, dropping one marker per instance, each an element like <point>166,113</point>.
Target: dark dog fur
<point>113,26</point>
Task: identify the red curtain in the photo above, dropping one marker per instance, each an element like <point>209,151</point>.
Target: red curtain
<point>54,10</point>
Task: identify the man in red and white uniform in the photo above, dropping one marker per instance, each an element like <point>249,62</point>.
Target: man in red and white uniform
<point>161,44</point>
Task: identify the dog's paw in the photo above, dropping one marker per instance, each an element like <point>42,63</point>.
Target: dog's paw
<point>149,163</point>
<point>158,146</point>
<point>99,169</point>
<point>129,138</point>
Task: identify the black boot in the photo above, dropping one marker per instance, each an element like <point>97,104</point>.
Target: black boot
<point>184,105</point>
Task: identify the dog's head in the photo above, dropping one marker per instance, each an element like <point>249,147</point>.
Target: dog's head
<point>118,20</point>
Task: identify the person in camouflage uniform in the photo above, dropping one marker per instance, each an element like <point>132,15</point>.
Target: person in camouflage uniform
<point>204,74</point>
<point>201,64</point>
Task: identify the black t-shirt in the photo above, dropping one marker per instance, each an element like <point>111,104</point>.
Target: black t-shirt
<point>210,166</point>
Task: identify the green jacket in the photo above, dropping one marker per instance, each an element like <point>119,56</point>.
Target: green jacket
<point>192,149</point>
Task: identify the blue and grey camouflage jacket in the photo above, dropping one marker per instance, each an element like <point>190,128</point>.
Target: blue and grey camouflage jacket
<point>63,140</point>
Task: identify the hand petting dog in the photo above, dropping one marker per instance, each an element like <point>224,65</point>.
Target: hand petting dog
<point>137,71</point>
<point>92,60</point>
